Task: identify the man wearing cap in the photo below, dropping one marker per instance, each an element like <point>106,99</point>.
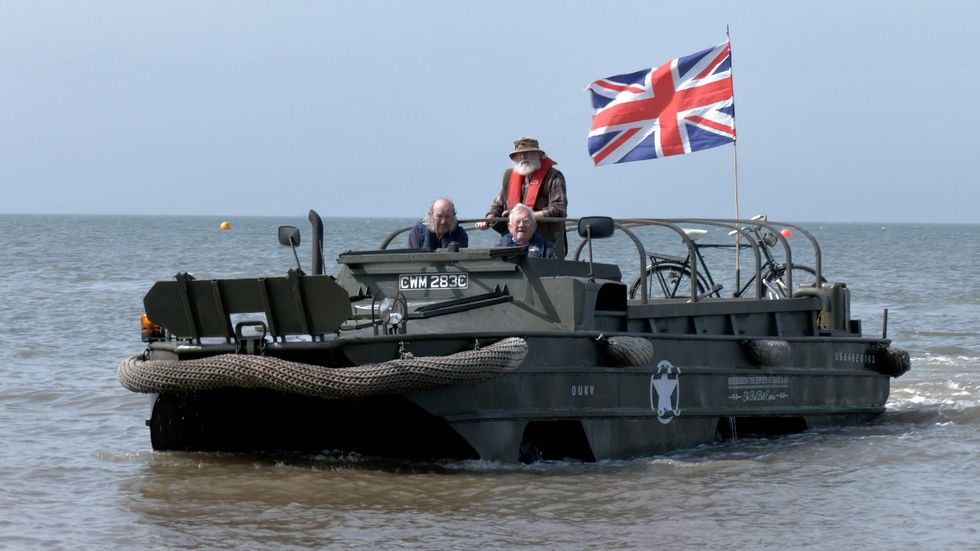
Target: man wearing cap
<point>535,182</point>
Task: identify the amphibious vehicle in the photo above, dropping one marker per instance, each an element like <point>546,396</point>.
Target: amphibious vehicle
<point>486,353</point>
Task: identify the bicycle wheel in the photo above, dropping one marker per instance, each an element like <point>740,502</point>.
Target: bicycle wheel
<point>667,280</point>
<point>776,285</point>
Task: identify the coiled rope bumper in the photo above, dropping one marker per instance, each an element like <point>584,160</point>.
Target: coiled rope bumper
<point>392,377</point>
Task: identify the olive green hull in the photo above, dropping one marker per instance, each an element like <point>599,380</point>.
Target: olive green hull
<point>718,367</point>
<point>562,403</point>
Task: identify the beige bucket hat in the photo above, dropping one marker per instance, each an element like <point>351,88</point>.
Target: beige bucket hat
<point>525,144</point>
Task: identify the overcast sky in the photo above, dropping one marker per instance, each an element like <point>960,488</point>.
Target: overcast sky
<point>845,111</point>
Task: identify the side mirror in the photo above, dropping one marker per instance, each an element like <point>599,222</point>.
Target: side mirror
<point>288,236</point>
<point>596,227</point>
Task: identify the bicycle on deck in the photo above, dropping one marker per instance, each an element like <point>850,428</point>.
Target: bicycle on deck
<point>670,276</point>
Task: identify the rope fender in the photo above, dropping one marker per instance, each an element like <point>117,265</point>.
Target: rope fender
<point>391,377</point>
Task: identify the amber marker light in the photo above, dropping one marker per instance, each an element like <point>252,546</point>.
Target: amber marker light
<point>150,331</point>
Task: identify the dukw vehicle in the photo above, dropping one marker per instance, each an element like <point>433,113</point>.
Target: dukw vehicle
<point>485,353</point>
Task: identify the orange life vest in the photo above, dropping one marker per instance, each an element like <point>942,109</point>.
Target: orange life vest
<point>517,182</point>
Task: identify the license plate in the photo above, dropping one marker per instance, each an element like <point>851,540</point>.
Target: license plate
<point>410,282</point>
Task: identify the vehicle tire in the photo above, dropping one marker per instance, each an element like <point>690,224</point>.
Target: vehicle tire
<point>776,288</point>
<point>667,280</point>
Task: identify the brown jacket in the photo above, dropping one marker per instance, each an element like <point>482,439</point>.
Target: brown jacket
<point>552,200</point>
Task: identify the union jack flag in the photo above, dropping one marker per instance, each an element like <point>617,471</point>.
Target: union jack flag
<point>684,105</point>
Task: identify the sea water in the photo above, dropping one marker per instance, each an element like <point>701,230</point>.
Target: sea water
<point>77,469</point>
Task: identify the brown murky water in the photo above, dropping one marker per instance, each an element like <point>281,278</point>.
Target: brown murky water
<point>77,471</point>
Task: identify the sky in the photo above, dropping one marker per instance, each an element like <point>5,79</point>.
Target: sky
<point>845,111</point>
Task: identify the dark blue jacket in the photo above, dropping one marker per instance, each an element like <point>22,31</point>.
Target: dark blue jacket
<point>421,238</point>
<point>536,246</point>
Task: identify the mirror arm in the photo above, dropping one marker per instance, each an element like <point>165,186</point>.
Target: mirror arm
<point>299,267</point>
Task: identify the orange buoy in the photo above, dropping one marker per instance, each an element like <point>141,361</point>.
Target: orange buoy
<point>225,226</point>
<point>785,232</point>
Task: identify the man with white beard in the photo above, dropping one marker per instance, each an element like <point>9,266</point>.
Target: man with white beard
<point>533,181</point>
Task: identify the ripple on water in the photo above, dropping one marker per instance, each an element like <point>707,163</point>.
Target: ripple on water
<point>77,470</point>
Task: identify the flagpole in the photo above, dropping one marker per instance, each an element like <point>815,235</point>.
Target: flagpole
<point>738,236</point>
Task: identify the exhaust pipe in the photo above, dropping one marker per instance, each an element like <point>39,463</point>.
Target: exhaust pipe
<point>317,242</point>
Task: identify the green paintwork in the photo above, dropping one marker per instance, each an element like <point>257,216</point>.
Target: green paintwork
<point>568,399</point>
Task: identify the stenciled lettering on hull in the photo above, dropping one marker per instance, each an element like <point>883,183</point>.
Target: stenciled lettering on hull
<point>758,388</point>
<point>854,358</point>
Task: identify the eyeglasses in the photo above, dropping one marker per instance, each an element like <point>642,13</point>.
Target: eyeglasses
<point>522,223</point>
